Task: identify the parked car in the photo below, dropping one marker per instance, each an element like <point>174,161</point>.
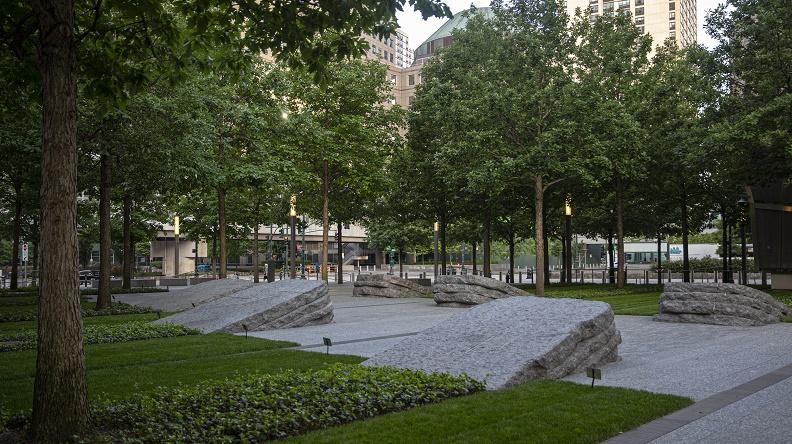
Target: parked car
<point>203,268</point>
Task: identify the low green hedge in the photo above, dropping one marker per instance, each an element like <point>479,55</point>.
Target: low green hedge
<point>101,334</point>
<point>21,291</point>
<point>708,264</point>
<point>116,308</point>
<point>260,407</point>
<point>119,290</point>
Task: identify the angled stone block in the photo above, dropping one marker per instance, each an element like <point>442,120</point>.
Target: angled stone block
<point>468,289</point>
<point>281,304</point>
<point>512,340</point>
<point>719,304</point>
<point>389,286</point>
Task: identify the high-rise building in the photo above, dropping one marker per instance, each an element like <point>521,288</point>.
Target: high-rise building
<point>392,51</point>
<point>662,19</point>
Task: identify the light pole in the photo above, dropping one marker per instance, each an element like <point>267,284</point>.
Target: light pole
<point>176,253</point>
<point>293,243</point>
<point>743,203</point>
<point>302,262</point>
<point>568,234</point>
<point>436,250</point>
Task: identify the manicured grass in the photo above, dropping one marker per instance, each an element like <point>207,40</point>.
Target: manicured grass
<point>535,412</point>
<point>630,300</point>
<point>6,327</point>
<point>116,371</point>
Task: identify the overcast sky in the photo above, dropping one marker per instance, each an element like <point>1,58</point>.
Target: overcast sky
<point>418,30</point>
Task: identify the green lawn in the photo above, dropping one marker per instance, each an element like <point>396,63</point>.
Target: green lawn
<point>117,370</point>
<point>7,327</point>
<point>630,300</point>
<point>535,412</point>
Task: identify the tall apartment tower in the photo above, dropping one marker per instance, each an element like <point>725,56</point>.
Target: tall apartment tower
<point>662,19</point>
<point>392,51</point>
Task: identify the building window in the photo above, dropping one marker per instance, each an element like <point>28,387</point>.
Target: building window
<point>624,4</point>
<point>393,79</point>
<point>672,34</point>
<point>391,57</point>
<point>672,25</point>
<point>640,29</point>
<point>411,79</point>
<point>672,15</point>
<point>671,6</point>
<point>594,9</point>
<point>639,20</point>
<point>639,2</point>
<point>639,11</point>
<point>410,100</point>
<point>607,7</point>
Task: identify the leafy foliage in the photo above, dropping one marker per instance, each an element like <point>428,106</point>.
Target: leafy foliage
<point>101,334</point>
<point>261,407</point>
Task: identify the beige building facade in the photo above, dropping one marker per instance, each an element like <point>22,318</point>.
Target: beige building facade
<point>662,19</point>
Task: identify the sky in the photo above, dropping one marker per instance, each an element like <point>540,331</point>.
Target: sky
<point>418,30</point>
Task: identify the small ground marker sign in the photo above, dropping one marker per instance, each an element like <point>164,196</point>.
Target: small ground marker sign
<point>594,373</point>
<point>328,343</point>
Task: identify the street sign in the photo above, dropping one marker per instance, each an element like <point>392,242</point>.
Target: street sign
<point>25,252</point>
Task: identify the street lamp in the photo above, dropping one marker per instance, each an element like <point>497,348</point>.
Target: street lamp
<point>302,263</point>
<point>293,246</point>
<point>743,204</point>
<point>568,235</point>
<point>436,250</point>
<point>176,254</point>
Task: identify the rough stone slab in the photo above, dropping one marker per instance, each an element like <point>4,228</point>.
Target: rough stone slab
<point>389,286</point>
<point>281,304</point>
<point>719,304</point>
<point>512,340</point>
<point>469,289</point>
<point>182,299</point>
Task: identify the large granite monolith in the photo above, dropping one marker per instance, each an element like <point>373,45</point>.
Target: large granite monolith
<point>389,286</point>
<point>468,289</point>
<point>719,304</point>
<point>282,304</point>
<point>187,297</point>
<point>512,340</point>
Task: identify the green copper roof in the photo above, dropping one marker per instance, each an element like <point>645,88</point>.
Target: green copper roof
<point>459,20</point>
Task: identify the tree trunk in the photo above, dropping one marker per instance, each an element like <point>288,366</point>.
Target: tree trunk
<point>129,252</point>
<point>214,254</point>
<point>255,254</point>
<point>221,209</point>
<point>339,271</point>
<point>475,244</point>
<point>563,260</point>
<point>729,253</point>
<point>610,258</point>
<point>401,268</point>
<point>443,250</point>
<point>685,234</point>
<point>724,242</point>
<point>539,238</point>
<point>488,243</point>
<point>621,277</point>
<point>546,254</point>
<point>511,257</point>
<point>60,392</point>
<point>15,258</point>
<point>659,260</point>
<point>105,185</point>
<point>325,220</point>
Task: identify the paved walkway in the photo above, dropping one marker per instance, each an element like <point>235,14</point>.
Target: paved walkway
<point>363,326</point>
<point>736,374</point>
